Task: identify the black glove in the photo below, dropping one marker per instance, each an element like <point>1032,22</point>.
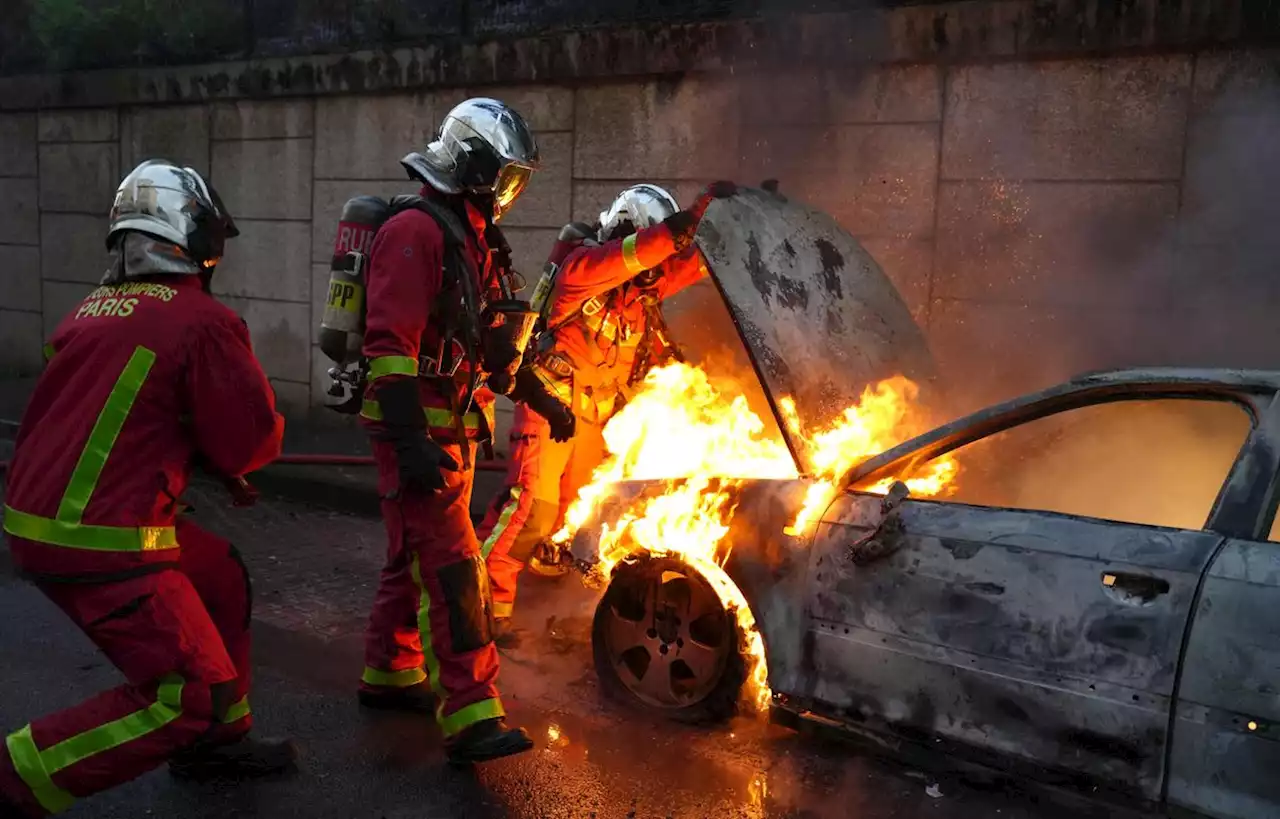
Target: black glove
<point>418,458</point>
<point>534,394</point>
<point>683,225</point>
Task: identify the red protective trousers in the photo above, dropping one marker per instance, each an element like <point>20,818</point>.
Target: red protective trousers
<point>542,481</point>
<point>180,636</point>
<point>431,615</point>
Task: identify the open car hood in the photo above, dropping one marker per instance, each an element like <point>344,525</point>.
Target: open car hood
<point>815,318</point>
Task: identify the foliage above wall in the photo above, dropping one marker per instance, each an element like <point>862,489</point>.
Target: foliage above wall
<point>98,33</point>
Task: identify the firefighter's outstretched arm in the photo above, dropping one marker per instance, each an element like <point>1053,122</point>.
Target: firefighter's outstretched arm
<point>406,271</point>
<point>591,271</point>
<point>680,271</point>
<point>687,266</point>
<point>234,419</point>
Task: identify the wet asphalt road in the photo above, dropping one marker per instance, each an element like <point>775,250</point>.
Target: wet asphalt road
<point>313,571</point>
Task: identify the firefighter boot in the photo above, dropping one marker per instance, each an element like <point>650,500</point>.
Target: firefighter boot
<point>246,758</point>
<point>414,699</point>
<point>485,741</point>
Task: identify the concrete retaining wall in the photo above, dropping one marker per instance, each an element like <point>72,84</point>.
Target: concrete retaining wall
<point>1040,216</point>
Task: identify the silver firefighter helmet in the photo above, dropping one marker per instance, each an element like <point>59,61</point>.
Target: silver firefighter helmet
<point>172,204</point>
<point>636,208</point>
<point>484,148</point>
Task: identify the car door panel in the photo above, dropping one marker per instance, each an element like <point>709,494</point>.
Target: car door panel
<point>1032,634</point>
<point>1226,735</point>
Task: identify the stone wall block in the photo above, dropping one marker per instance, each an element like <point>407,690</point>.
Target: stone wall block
<point>874,179</point>
<point>73,247</point>
<point>79,125</point>
<point>908,262</point>
<point>264,179</point>
<point>246,119</point>
<point>17,144</point>
<point>1055,243</point>
<point>865,94</point>
<point>268,260</point>
<point>1120,118</point>
<point>663,130</point>
<point>178,133</point>
<point>19,211</point>
<point>19,277</point>
<point>21,342</point>
<point>279,334</point>
<point>79,178</point>
<point>364,137</point>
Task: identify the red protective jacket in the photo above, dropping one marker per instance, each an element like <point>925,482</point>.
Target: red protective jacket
<point>605,317</point>
<point>403,283</point>
<point>143,379</point>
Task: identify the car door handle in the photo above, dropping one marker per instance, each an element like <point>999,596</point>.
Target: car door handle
<point>1134,589</point>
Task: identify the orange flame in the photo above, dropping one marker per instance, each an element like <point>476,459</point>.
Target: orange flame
<point>702,442</point>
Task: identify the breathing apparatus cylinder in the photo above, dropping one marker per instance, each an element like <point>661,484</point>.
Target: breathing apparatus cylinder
<point>342,326</point>
<point>343,322</point>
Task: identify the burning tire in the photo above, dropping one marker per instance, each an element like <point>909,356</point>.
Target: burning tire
<point>663,641</point>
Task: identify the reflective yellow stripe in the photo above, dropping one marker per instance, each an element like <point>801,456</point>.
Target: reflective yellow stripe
<point>166,708</point>
<point>84,536</point>
<point>238,711</point>
<point>629,257</point>
<point>501,609</point>
<point>469,715</point>
<point>428,650</point>
<point>37,767</point>
<point>48,351</point>
<point>436,417</point>
<point>504,520</point>
<point>393,679</point>
<point>392,365</point>
<point>84,478</point>
<point>65,528</point>
<point>26,761</point>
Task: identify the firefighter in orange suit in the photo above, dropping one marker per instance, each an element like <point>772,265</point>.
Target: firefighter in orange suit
<point>146,377</point>
<point>432,337</point>
<point>603,331</point>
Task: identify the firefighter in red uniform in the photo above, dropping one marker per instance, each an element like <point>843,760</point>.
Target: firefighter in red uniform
<point>603,331</point>
<point>430,341</point>
<point>146,377</point>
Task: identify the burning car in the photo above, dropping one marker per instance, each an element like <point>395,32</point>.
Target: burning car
<point>1078,585</point>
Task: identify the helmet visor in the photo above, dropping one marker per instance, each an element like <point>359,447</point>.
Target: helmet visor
<point>511,182</point>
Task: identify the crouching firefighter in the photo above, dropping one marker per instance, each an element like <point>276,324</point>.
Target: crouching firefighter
<point>604,330</point>
<point>147,377</point>
<point>439,321</point>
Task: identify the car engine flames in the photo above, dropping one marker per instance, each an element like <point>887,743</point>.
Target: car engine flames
<point>704,442</point>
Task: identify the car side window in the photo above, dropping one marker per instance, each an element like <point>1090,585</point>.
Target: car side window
<point>1158,462</point>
